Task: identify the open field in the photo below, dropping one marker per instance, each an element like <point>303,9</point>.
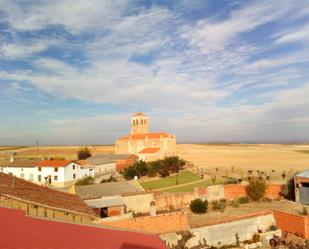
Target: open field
<point>69,152</point>
<point>234,157</point>
<point>240,158</point>
<point>183,177</point>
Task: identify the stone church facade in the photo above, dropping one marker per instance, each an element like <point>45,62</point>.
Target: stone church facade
<point>147,145</point>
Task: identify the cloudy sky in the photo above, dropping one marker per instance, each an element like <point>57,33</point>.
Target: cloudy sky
<point>73,72</point>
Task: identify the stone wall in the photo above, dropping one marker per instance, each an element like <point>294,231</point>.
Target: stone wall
<point>138,203</point>
<point>223,233</point>
<point>172,201</point>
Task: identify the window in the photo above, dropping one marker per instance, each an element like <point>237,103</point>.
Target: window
<point>56,169</point>
<point>55,178</point>
<point>142,121</point>
<point>39,169</point>
<point>74,176</point>
<point>39,178</point>
<point>73,166</point>
<point>133,121</point>
<point>31,177</point>
<point>137,121</point>
<point>22,176</point>
<point>145,121</point>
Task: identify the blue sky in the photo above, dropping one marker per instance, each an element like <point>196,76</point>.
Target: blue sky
<point>73,72</point>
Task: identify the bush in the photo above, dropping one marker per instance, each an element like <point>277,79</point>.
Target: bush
<point>219,205</point>
<point>243,200</point>
<point>235,203</point>
<point>257,188</point>
<point>272,228</point>
<point>83,153</point>
<point>199,206</point>
<point>289,189</point>
<point>304,211</point>
<point>231,181</point>
<point>85,181</point>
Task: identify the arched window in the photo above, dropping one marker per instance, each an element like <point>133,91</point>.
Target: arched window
<point>136,121</point>
<point>133,121</point>
<point>142,121</point>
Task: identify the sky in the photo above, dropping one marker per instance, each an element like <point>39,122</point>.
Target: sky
<point>73,72</point>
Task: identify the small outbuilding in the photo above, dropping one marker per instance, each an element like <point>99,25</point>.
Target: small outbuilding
<point>301,181</point>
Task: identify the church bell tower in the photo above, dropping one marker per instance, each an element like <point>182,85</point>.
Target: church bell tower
<point>139,123</point>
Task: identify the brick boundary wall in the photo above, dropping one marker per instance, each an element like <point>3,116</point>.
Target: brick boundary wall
<point>292,223</point>
<point>233,218</point>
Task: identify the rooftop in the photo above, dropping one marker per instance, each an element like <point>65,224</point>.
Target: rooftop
<point>51,234</point>
<point>149,150</point>
<point>139,114</point>
<point>150,135</point>
<point>106,189</point>
<point>105,158</point>
<point>53,163</point>
<point>40,195</point>
<point>110,201</point>
<point>24,163</point>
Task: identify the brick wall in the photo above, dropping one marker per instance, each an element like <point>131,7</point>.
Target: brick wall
<point>292,223</point>
<point>158,224</point>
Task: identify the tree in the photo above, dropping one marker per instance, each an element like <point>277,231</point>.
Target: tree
<point>289,189</point>
<point>199,206</point>
<point>85,181</point>
<point>257,189</point>
<point>83,153</point>
<point>139,168</point>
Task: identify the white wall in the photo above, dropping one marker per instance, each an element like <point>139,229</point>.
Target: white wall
<point>64,174</point>
<point>105,168</point>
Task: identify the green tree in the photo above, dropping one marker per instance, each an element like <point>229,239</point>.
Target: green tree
<point>139,168</point>
<point>257,188</point>
<point>289,189</point>
<point>85,181</point>
<point>83,153</point>
<point>199,206</point>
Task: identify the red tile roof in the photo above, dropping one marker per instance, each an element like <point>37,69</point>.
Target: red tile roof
<point>150,135</point>
<point>53,163</point>
<point>40,195</point>
<point>21,231</point>
<point>150,150</point>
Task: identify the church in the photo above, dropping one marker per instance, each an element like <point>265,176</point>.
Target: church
<point>148,146</point>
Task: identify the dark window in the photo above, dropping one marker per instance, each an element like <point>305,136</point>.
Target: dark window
<point>73,166</point>
<point>55,178</point>
<point>142,121</point>
<point>137,121</point>
<point>39,169</point>
<point>74,176</point>
<point>39,178</point>
<point>56,169</point>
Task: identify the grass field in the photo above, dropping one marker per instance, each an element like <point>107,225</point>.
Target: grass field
<point>183,177</point>
<point>190,187</point>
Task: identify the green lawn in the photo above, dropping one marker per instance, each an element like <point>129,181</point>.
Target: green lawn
<point>190,187</point>
<point>183,177</point>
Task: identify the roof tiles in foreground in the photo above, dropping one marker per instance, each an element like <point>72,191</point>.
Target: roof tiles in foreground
<point>26,232</point>
<point>31,192</point>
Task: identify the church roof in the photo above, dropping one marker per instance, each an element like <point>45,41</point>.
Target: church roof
<point>149,150</point>
<point>142,136</point>
<point>139,114</point>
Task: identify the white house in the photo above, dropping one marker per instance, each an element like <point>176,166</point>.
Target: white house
<point>56,173</point>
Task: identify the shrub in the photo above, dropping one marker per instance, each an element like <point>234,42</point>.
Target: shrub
<point>83,153</point>
<point>243,200</point>
<point>85,181</point>
<point>235,203</point>
<point>272,227</point>
<point>289,189</point>
<point>219,205</point>
<point>304,211</point>
<point>257,188</point>
<point>214,179</point>
<point>231,181</point>
<point>199,206</point>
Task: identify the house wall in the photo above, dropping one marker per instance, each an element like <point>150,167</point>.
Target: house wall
<point>45,212</point>
<point>105,168</point>
<point>139,203</point>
